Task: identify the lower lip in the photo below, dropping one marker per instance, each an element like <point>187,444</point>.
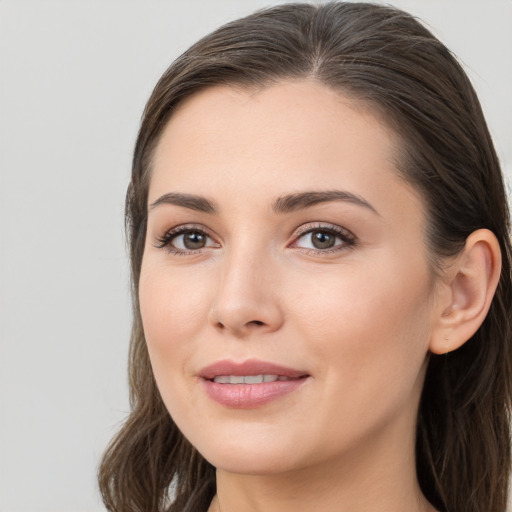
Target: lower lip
<point>247,396</point>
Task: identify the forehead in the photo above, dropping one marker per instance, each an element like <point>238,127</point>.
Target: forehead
<point>293,135</point>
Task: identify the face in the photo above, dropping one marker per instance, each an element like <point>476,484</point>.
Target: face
<point>285,292</point>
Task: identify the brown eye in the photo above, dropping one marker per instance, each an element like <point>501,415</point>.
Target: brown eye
<point>193,240</point>
<point>325,239</point>
<point>184,240</point>
<point>322,240</point>
<point>319,239</point>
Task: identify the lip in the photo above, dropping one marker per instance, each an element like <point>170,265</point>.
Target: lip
<point>247,396</point>
<point>249,367</point>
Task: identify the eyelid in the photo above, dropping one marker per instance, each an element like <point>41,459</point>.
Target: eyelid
<point>165,241</point>
<point>345,235</point>
<point>347,238</point>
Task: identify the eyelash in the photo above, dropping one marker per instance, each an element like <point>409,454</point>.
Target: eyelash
<point>347,238</point>
<point>165,241</point>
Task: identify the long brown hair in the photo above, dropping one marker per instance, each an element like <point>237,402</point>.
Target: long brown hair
<point>389,61</point>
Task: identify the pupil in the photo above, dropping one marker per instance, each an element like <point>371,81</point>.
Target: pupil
<point>194,240</point>
<point>323,240</point>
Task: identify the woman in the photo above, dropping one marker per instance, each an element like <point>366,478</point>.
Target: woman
<point>320,255</point>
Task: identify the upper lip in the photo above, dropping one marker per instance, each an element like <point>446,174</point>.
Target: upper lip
<point>249,367</point>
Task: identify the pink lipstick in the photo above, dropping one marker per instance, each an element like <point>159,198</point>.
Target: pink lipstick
<point>249,384</point>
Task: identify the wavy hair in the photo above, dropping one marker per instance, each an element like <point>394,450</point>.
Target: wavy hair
<point>390,62</point>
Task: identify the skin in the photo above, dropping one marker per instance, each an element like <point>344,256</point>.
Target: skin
<point>358,317</point>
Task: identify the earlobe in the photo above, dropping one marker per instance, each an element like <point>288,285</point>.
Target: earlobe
<point>469,285</point>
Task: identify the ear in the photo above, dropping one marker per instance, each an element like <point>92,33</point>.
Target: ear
<point>466,292</point>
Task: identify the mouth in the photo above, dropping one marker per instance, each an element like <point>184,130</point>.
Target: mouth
<point>250,384</point>
<point>249,379</point>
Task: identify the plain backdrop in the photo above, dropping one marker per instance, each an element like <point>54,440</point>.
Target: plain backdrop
<point>74,77</point>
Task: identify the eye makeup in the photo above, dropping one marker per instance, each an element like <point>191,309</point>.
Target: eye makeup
<point>313,238</point>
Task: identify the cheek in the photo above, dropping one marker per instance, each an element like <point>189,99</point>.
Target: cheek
<point>369,337</point>
<point>372,325</point>
<point>173,307</point>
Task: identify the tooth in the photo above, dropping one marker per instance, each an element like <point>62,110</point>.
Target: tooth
<point>253,379</point>
<point>247,379</point>
<point>222,379</point>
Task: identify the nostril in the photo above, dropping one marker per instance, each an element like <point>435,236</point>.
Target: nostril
<point>257,322</point>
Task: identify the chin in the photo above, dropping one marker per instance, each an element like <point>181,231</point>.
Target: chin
<point>248,455</point>
<point>251,463</point>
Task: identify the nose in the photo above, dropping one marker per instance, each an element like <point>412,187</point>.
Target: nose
<point>246,299</point>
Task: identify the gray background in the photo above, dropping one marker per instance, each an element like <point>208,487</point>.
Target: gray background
<point>74,76</point>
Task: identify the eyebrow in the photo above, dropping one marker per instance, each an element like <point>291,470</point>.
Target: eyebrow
<point>284,204</point>
<point>191,201</point>
<point>302,200</point>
